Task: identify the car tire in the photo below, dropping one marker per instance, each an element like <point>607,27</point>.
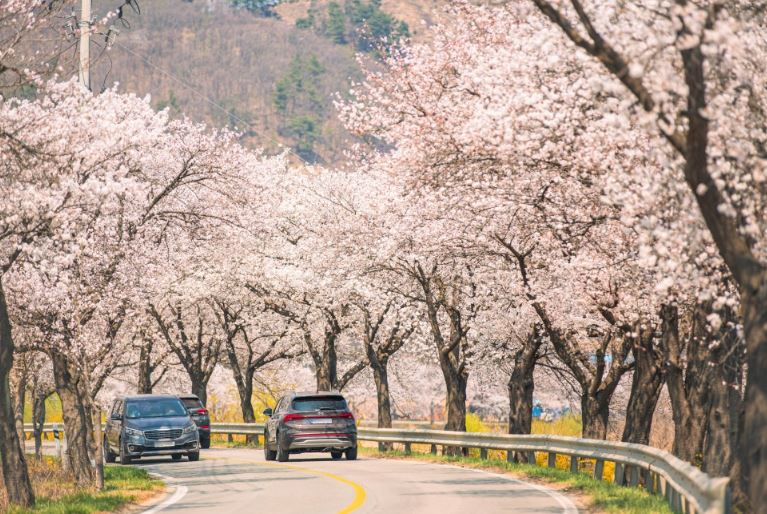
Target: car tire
<point>336,455</point>
<point>109,456</point>
<point>193,456</point>
<point>176,456</point>
<point>282,452</point>
<point>351,453</point>
<point>268,454</point>
<point>205,443</point>
<point>124,457</point>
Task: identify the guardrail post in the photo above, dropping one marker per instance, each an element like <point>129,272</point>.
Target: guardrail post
<point>408,449</point>
<point>599,469</point>
<point>633,478</point>
<point>573,463</point>
<point>618,473</point>
<point>433,449</point>
<point>483,453</point>
<point>58,441</point>
<point>229,438</point>
<point>676,503</point>
<point>649,481</point>
<point>531,458</point>
<point>552,460</point>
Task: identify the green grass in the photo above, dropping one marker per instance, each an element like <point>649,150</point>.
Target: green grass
<point>122,485</point>
<point>605,496</point>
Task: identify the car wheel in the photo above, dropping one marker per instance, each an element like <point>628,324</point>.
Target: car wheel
<point>193,456</point>
<point>109,456</point>
<point>336,455</point>
<point>351,453</point>
<point>205,443</point>
<point>268,454</point>
<point>124,457</point>
<point>176,456</point>
<point>282,452</point>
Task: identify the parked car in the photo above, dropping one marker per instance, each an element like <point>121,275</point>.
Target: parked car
<point>310,422</point>
<point>149,425</point>
<point>199,415</point>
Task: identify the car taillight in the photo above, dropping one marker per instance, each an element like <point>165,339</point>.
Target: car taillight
<point>293,417</point>
<point>204,412</point>
<point>205,427</point>
<point>347,415</point>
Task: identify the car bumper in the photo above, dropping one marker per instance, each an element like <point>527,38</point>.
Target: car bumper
<point>321,442</point>
<point>141,447</point>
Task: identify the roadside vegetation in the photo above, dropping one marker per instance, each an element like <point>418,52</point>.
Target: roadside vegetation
<point>57,493</point>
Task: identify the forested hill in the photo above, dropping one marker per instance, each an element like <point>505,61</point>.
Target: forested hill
<point>267,69</point>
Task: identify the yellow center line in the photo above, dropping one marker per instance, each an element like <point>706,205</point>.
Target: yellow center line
<point>359,491</point>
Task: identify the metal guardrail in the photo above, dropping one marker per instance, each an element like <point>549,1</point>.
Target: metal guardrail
<point>686,488</point>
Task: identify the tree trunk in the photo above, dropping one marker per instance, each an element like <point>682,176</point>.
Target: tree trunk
<point>38,420</point>
<point>521,385</point>
<point>646,386</point>
<point>381,378</point>
<point>19,400</point>
<point>753,441</point>
<point>245,391</point>
<point>595,413</point>
<point>145,369</point>
<point>383,399</point>
<point>200,388</point>
<point>15,475</point>
<point>78,420</point>
<point>455,383</point>
<point>323,374</point>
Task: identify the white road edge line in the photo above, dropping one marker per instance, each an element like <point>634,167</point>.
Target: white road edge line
<point>180,492</point>
<point>568,507</point>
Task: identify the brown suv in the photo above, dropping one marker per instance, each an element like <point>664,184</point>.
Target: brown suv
<point>310,422</point>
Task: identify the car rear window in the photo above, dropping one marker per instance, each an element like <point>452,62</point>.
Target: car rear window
<point>192,403</point>
<point>319,403</point>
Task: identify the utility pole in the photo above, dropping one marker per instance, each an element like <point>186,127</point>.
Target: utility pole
<point>85,44</point>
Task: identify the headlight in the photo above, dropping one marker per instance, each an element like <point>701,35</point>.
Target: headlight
<point>189,429</point>
<point>133,432</point>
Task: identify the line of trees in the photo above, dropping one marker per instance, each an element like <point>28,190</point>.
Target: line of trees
<point>536,212</point>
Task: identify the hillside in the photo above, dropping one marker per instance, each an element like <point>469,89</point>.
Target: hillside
<point>261,75</point>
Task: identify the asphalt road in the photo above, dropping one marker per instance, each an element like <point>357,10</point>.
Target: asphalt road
<point>235,481</point>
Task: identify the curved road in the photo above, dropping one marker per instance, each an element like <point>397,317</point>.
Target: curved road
<point>234,480</point>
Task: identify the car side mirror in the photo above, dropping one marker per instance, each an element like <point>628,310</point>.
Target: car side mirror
<point>268,412</point>
<point>116,416</point>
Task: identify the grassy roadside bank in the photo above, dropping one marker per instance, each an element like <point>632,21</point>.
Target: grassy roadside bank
<point>604,496</point>
<point>57,494</point>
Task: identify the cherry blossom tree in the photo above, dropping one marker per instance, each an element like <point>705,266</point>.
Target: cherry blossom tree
<point>697,72</point>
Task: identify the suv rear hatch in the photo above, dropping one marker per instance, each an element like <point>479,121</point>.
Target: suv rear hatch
<point>321,415</point>
<point>197,411</point>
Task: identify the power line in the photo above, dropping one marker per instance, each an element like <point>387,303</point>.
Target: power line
<point>202,95</point>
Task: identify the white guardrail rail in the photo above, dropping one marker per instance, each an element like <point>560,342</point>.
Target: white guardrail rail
<point>686,488</point>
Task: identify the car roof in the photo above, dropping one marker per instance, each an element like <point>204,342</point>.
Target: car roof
<point>150,397</point>
<point>189,397</point>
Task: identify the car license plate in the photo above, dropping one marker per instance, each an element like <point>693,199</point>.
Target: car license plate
<point>164,444</point>
<point>322,421</point>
